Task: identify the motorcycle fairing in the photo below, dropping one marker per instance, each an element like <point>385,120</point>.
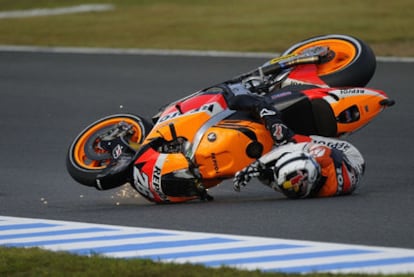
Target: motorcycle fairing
<point>230,145</point>
<point>304,75</point>
<point>164,177</point>
<point>146,174</point>
<point>355,107</point>
<point>332,112</point>
<point>200,102</point>
<point>188,115</point>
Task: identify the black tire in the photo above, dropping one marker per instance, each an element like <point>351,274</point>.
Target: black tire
<point>84,165</point>
<point>359,63</point>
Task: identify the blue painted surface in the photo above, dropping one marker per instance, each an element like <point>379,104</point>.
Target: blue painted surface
<point>266,254</point>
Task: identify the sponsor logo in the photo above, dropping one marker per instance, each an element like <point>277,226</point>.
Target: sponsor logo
<point>156,177</point>
<point>290,81</point>
<point>156,182</point>
<point>210,108</point>
<point>266,112</point>
<point>211,137</point>
<point>317,151</point>
<point>280,95</point>
<point>215,163</point>
<point>352,91</point>
<point>117,151</point>
<point>340,145</point>
<point>147,188</point>
<point>295,182</point>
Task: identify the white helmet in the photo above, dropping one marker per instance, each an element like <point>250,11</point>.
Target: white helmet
<point>296,174</point>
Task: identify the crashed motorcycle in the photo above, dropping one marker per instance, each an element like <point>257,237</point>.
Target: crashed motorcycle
<point>193,144</point>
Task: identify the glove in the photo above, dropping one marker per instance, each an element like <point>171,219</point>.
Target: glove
<point>243,176</point>
<point>281,134</point>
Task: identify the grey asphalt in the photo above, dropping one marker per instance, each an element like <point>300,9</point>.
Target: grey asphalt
<point>46,99</point>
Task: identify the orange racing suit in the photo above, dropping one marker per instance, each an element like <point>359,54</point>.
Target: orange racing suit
<point>342,165</point>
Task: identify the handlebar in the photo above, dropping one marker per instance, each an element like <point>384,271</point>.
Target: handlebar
<point>314,55</point>
<point>278,67</point>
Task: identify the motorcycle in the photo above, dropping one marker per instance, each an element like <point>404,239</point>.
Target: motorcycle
<point>194,143</point>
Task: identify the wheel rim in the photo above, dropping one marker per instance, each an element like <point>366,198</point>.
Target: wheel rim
<point>345,53</point>
<point>79,154</point>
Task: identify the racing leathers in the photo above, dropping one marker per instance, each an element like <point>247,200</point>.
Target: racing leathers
<point>259,107</point>
<point>341,166</point>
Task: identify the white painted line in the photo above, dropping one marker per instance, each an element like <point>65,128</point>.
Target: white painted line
<point>176,251</point>
<point>212,250</point>
<point>56,11</point>
<point>396,59</point>
<point>160,52</point>
<point>384,270</point>
<point>134,51</point>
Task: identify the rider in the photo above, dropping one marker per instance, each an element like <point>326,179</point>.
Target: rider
<point>300,166</point>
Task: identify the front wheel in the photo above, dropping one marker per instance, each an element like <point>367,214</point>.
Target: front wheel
<point>353,62</point>
<point>86,158</point>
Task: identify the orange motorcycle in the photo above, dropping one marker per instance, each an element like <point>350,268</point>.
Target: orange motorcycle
<point>193,144</point>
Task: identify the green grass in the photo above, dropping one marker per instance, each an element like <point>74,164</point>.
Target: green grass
<point>232,25</point>
<point>37,262</point>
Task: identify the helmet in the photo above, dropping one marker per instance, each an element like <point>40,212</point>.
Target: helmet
<point>296,174</point>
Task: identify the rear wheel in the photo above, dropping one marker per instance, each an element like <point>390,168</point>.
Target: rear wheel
<point>353,62</point>
<point>86,158</point>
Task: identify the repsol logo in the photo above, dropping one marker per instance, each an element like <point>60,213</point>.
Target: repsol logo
<point>215,163</point>
<point>352,91</point>
<point>340,145</point>
<point>156,182</point>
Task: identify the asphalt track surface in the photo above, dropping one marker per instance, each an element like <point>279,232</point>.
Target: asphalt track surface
<point>46,99</point>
